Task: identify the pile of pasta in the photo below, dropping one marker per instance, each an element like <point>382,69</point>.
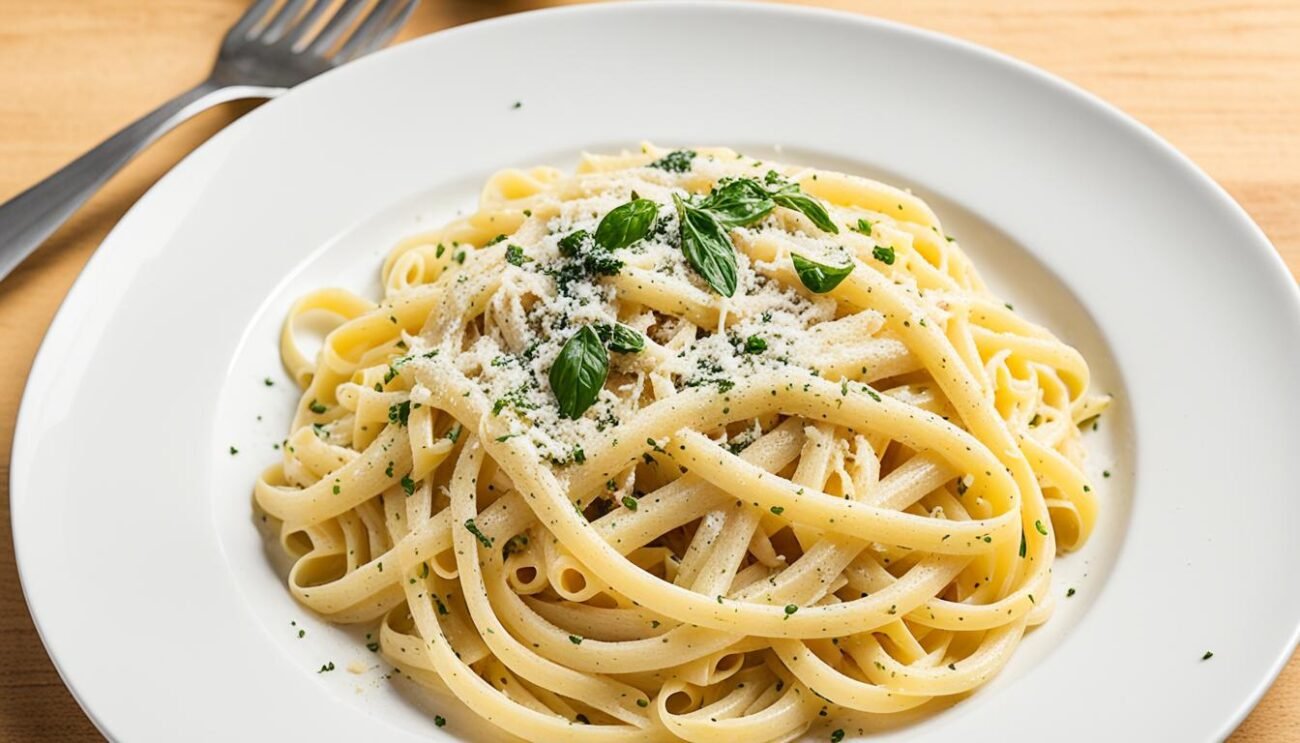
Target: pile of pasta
<point>867,525</point>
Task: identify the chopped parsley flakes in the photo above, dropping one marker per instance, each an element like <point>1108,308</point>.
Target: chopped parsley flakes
<point>483,539</point>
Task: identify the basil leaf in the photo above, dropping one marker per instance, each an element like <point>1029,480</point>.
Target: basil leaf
<point>792,198</point>
<point>863,226</point>
<point>579,372</point>
<point>789,195</point>
<point>677,161</point>
<point>884,254</point>
<point>515,255</point>
<point>626,224</point>
<point>571,243</point>
<point>819,278</point>
<point>738,202</point>
<point>626,340</point>
<point>707,247</point>
<point>620,338</point>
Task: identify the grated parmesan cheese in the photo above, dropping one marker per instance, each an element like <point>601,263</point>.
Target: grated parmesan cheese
<point>548,297</point>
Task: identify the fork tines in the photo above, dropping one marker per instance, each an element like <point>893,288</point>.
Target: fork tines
<point>294,24</point>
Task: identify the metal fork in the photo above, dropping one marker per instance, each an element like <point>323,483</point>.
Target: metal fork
<point>263,55</point>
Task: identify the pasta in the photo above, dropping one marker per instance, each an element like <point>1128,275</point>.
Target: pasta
<point>683,446</point>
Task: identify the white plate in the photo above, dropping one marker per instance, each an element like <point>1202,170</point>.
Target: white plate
<point>166,615</point>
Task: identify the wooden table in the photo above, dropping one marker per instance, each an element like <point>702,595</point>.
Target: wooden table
<point>1218,78</point>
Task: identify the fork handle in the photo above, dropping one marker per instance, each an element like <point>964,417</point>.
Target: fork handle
<point>33,215</point>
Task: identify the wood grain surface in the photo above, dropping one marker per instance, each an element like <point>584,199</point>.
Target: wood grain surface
<point>1220,79</point>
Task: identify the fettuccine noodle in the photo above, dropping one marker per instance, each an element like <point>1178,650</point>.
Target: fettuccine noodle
<point>571,481</point>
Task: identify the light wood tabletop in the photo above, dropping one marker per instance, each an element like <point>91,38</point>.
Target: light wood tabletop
<point>1220,79</point>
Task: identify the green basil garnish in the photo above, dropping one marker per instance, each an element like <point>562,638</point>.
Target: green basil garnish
<point>735,203</point>
<point>707,247</point>
<point>738,202</point>
<point>884,254</point>
<point>623,339</point>
<point>579,372</point>
<point>819,278</point>
<point>790,196</point>
<point>515,255</point>
<point>810,207</point>
<point>626,224</point>
<point>571,243</point>
<point>677,161</point>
